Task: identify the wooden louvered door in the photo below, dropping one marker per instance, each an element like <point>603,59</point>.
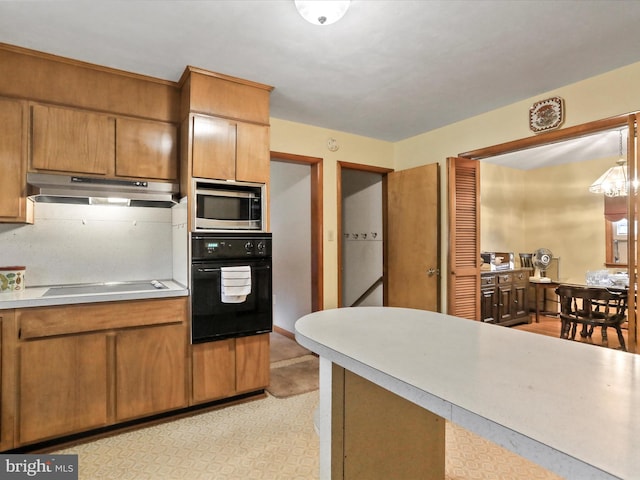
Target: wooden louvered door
<point>463,279</point>
<point>412,238</point>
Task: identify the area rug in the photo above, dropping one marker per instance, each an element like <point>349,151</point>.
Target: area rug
<point>300,375</point>
<point>284,348</point>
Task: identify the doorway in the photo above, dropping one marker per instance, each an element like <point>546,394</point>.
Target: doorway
<point>296,224</point>
<point>361,238</point>
<point>554,137</point>
<point>410,205</point>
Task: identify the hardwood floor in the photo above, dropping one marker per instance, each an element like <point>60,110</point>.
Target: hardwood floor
<point>550,326</point>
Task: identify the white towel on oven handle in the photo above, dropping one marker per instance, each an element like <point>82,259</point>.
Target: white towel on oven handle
<point>235,283</point>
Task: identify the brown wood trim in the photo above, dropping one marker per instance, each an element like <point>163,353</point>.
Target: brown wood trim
<point>633,206</point>
<point>548,137</point>
<point>191,69</point>
<point>317,226</point>
<point>79,63</point>
<point>363,168</point>
<point>283,332</point>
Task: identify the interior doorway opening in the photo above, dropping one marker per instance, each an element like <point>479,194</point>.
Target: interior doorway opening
<point>296,225</point>
<point>362,238</point>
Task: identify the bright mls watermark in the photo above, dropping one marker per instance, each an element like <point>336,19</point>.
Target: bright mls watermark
<point>51,467</point>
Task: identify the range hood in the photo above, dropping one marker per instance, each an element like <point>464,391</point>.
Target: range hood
<point>52,188</point>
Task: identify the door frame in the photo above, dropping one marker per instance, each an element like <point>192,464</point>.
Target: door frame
<point>363,168</point>
<point>317,246</point>
<point>628,120</point>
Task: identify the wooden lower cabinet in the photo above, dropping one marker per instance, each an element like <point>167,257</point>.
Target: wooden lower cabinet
<point>72,369</point>
<point>214,370</point>
<point>504,297</point>
<point>230,367</point>
<point>62,386</point>
<point>252,363</point>
<point>7,378</point>
<point>150,371</point>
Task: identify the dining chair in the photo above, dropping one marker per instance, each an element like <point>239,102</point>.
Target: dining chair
<point>526,260</point>
<point>591,307</point>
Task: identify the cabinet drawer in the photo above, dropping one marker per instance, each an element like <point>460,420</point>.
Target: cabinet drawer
<point>64,320</point>
<point>486,281</point>
<point>522,276</point>
<point>504,278</point>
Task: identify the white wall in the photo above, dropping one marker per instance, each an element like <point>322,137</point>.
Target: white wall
<point>362,241</point>
<point>290,189</point>
<point>81,243</point>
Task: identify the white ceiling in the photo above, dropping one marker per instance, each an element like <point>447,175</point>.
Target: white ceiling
<point>388,70</point>
<point>596,146</point>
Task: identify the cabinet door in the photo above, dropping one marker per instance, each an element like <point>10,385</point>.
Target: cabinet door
<point>505,303</point>
<point>62,386</point>
<point>74,141</point>
<point>520,300</point>
<point>150,370</point>
<point>146,149</point>
<point>13,181</point>
<point>214,370</point>
<point>8,363</point>
<point>488,305</point>
<point>214,148</point>
<point>252,363</point>
<point>253,156</point>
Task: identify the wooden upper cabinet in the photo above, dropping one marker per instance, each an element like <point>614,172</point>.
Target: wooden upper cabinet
<point>74,141</point>
<point>230,126</point>
<point>146,149</point>
<point>13,162</point>
<point>214,148</point>
<point>229,150</point>
<point>252,156</point>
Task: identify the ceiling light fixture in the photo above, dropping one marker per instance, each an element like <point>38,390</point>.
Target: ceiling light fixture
<point>614,182</point>
<point>322,12</point>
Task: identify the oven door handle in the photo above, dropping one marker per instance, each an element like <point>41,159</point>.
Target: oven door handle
<point>217,269</point>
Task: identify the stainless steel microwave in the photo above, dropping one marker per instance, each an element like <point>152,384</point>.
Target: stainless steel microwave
<point>228,206</point>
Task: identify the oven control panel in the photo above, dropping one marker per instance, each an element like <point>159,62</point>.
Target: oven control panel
<point>232,245</point>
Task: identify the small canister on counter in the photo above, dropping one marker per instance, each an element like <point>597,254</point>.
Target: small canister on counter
<point>12,279</point>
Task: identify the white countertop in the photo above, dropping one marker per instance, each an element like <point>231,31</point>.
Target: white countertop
<point>568,406</point>
<point>33,296</point>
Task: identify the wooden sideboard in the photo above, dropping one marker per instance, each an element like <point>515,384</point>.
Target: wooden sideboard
<point>504,297</point>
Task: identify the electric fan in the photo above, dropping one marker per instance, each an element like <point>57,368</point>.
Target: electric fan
<point>541,259</point>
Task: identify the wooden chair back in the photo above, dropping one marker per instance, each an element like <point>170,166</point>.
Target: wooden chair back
<point>526,260</point>
<point>591,307</point>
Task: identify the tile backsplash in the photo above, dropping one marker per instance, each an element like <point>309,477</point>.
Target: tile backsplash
<point>82,243</point>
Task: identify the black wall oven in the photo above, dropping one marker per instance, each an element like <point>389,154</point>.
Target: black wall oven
<point>231,292</point>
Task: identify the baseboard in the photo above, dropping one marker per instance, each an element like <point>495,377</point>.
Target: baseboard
<point>284,332</point>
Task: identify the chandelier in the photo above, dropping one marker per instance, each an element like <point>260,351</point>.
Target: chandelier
<point>614,182</point>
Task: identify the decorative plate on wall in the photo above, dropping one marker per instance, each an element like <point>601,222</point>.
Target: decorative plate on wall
<point>546,114</point>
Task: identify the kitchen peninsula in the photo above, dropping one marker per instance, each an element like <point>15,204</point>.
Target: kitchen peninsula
<point>380,365</point>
